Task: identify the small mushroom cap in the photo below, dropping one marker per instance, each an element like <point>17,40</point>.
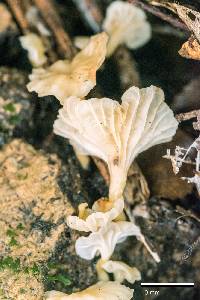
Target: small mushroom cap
<point>65,78</point>
<point>100,291</point>
<point>35,47</point>
<point>96,219</point>
<point>126,24</point>
<point>117,133</point>
<point>103,242</point>
<point>122,271</point>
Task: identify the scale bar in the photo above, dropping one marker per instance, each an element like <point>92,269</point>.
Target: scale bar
<point>186,284</point>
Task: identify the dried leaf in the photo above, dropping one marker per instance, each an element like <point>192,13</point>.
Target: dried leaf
<point>190,17</point>
<point>190,49</point>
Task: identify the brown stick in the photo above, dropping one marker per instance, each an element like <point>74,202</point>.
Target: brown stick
<point>17,9</point>
<point>187,116</point>
<point>156,12</point>
<point>91,13</point>
<point>50,15</point>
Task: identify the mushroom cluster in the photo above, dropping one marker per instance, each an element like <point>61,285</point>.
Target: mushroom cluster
<point>116,133</point>
<point>125,24</point>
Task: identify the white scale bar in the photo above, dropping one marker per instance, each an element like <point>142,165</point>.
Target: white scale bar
<point>167,284</point>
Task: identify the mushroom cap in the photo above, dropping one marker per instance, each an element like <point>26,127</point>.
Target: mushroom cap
<point>35,47</point>
<point>96,219</point>
<point>100,291</point>
<point>65,78</point>
<point>122,271</point>
<point>126,24</point>
<point>117,133</point>
<point>103,241</point>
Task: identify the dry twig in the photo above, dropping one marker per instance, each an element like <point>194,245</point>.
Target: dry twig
<point>187,116</point>
<point>17,8</point>
<point>91,13</point>
<point>156,12</point>
<point>50,15</point>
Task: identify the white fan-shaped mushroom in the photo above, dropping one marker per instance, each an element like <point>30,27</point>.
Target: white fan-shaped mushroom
<point>77,77</point>
<point>35,47</point>
<point>121,271</point>
<point>96,219</point>
<point>117,133</point>
<point>100,291</point>
<point>126,24</point>
<point>103,241</point>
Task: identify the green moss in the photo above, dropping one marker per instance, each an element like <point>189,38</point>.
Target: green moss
<point>13,120</point>
<point>22,291</point>
<point>20,226</point>
<point>22,177</point>
<point>60,278</point>
<point>10,107</point>
<point>36,270</point>
<point>13,242</point>
<point>11,233</point>
<point>11,264</point>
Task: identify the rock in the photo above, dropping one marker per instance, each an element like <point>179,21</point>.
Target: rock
<point>33,230</point>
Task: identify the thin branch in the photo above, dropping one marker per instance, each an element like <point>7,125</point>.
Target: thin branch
<point>17,8</point>
<point>53,20</point>
<point>90,12</point>
<point>187,116</point>
<point>156,12</point>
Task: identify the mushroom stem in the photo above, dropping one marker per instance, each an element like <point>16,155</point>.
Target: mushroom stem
<point>84,160</point>
<point>118,179</point>
<point>142,238</point>
<point>101,273</point>
<point>153,253</point>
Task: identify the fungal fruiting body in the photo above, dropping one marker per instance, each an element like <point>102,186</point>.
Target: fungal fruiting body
<point>100,291</point>
<point>117,133</point>
<point>94,218</point>
<point>35,47</point>
<point>126,24</point>
<point>103,241</point>
<point>67,78</point>
<point>121,271</point>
